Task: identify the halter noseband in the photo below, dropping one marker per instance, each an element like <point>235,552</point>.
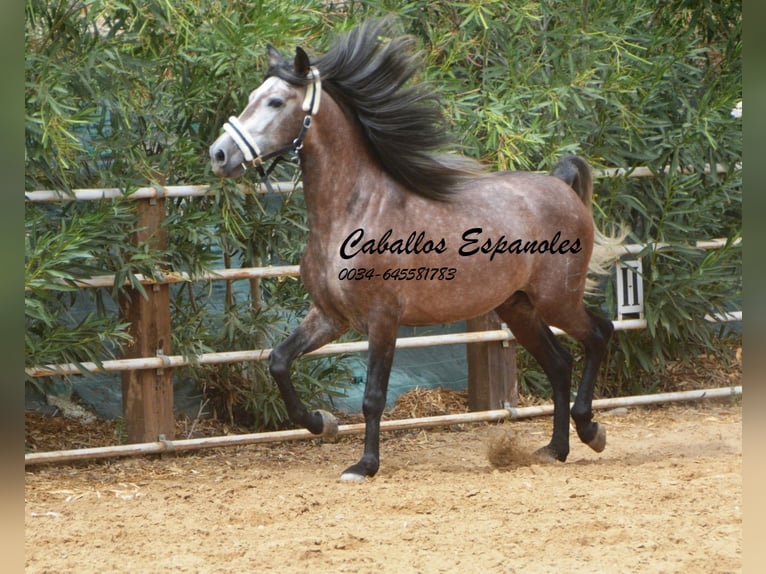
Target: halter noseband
<point>250,149</point>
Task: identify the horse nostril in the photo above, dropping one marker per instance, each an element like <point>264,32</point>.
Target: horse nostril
<point>220,156</point>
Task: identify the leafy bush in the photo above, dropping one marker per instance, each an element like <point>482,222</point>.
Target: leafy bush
<point>126,94</point>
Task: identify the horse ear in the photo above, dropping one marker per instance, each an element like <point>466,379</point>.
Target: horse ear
<point>275,58</point>
<point>301,65</point>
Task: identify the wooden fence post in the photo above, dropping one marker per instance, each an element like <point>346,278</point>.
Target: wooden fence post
<point>147,394</point>
<point>491,368</point>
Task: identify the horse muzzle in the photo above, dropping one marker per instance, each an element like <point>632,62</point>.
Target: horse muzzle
<point>226,158</point>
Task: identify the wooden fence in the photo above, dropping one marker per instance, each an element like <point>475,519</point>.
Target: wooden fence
<point>147,364</point>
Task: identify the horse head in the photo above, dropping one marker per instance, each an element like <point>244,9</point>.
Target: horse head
<point>275,120</point>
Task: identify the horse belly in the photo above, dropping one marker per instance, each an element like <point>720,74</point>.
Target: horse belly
<point>423,290</point>
<point>473,291</point>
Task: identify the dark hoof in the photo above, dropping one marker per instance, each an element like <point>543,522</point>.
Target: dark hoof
<point>598,442</point>
<point>329,424</point>
<point>367,467</point>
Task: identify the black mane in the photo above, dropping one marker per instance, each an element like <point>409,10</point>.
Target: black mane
<point>371,75</point>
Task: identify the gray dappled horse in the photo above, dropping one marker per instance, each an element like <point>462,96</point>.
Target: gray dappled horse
<point>401,234</point>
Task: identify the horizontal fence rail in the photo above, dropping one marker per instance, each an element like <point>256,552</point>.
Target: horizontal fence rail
<point>162,361</point>
<point>152,192</point>
<point>170,361</point>
<point>167,277</point>
<point>495,415</point>
<point>160,191</point>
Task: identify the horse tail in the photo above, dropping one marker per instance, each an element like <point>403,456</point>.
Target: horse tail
<point>576,173</point>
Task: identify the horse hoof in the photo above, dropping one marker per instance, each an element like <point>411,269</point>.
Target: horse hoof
<point>548,455</point>
<point>351,477</point>
<point>367,467</point>
<point>599,441</point>
<point>329,424</point>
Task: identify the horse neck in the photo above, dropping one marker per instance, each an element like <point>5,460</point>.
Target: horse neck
<point>335,161</point>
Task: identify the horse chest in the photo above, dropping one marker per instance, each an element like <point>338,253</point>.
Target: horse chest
<point>326,278</point>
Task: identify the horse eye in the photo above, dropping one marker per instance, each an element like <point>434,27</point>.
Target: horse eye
<point>275,102</point>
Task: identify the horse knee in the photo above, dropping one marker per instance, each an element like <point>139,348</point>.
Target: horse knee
<point>279,366</point>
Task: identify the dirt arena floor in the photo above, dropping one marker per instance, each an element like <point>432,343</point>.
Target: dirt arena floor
<point>665,496</point>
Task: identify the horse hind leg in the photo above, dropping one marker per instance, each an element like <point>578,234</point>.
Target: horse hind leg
<point>594,339</point>
<point>531,331</point>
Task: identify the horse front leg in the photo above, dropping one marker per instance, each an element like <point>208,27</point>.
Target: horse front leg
<point>382,344</point>
<point>315,330</point>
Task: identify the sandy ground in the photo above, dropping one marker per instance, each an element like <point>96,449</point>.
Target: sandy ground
<point>665,496</point>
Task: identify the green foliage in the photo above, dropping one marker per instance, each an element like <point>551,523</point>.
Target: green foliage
<point>126,94</point>
<point>62,245</point>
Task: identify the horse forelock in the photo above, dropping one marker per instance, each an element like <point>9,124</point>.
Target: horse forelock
<point>371,72</point>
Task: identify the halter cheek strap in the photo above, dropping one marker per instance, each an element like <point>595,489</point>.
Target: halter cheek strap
<point>314,94</point>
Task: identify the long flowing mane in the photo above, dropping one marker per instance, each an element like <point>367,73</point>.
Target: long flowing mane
<point>372,74</point>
